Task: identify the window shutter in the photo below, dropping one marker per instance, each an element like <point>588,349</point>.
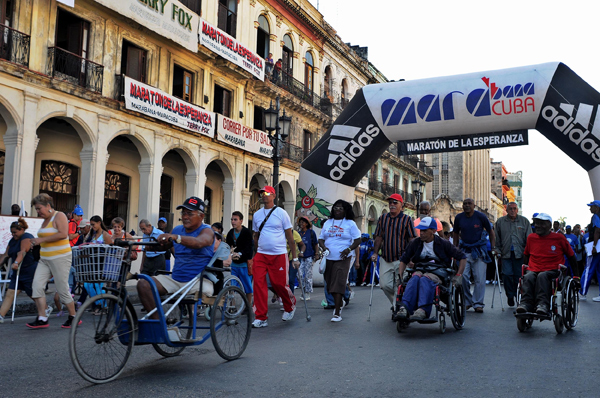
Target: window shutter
<point>222,22</point>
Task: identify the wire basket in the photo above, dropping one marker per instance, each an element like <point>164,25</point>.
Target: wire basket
<point>98,263</point>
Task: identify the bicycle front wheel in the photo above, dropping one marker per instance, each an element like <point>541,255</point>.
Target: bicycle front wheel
<point>101,345</point>
<point>230,323</point>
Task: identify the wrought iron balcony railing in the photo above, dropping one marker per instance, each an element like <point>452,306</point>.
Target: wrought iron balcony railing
<point>14,45</point>
<point>65,65</point>
<point>300,91</point>
<point>291,152</point>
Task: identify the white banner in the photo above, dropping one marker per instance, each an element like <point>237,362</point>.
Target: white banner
<point>243,137</point>
<point>229,48</point>
<point>168,18</point>
<point>5,236</point>
<point>155,103</point>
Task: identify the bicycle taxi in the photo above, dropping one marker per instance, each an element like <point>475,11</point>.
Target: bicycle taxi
<point>101,345</point>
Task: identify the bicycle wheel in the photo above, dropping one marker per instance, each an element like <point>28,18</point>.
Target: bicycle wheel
<point>164,349</point>
<point>230,323</point>
<point>101,345</point>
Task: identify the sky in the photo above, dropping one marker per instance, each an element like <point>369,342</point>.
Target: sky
<point>422,39</point>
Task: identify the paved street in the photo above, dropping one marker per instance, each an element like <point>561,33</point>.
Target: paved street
<point>489,358</point>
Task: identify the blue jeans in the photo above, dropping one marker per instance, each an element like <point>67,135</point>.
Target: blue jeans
<point>353,274</point>
<point>511,272</point>
<point>419,293</point>
<point>329,297</point>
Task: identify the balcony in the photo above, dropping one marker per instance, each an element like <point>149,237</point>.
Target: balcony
<point>70,67</point>
<point>387,190</point>
<point>300,91</point>
<point>291,152</point>
<point>14,45</point>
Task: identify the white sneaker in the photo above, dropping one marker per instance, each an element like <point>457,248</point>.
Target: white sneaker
<point>352,284</point>
<point>336,318</point>
<point>49,310</point>
<point>306,297</point>
<point>259,324</point>
<point>582,297</point>
<point>1,319</point>
<point>280,304</point>
<point>288,316</point>
<point>419,314</point>
<point>596,299</point>
<point>351,294</point>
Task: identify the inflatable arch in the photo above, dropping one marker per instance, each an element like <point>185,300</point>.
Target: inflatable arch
<point>548,97</point>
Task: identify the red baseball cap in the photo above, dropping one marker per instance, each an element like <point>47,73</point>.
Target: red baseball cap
<point>396,196</point>
<point>267,188</point>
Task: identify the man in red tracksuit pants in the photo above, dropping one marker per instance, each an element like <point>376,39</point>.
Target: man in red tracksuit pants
<point>272,230</point>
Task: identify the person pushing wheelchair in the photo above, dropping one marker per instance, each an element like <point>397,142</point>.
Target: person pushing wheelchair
<point>428,248</point>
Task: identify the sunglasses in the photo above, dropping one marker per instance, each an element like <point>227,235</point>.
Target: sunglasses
<point>264,193</point>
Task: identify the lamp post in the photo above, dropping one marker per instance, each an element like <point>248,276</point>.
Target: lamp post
<point>417,187</point>
<point>272,120</point>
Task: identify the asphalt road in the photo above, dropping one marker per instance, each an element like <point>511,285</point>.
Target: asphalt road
<point>353,358</point>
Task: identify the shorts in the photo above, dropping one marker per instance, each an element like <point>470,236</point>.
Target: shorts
<point>171,285</point>
<point>242,273</point>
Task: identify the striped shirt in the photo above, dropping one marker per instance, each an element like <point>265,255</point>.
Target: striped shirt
<point>52,250</point>
<point>396,233</point>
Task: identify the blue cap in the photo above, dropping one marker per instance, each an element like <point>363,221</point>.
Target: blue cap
<point>162,219</point>
<point>535,215</point>
<point>365,235</point>
<point>568,227</point>
<point>427,223</point>
<point>78,210</point>
<point>594,203</point>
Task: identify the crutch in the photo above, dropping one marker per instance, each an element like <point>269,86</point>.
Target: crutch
<point>12,320</point>
<point>372,285</point>
<point>497,277</point>
<point>303,297</point>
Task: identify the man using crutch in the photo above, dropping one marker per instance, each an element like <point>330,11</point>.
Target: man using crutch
<point>511,231</point>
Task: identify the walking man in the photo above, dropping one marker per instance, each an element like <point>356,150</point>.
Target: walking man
<point>511,231</point>
<point>593,261</point>
<point>152,261</point>
<point>393,233</point>
<point>470,234</point>
<point>272,230</point>
<point>239,238</point>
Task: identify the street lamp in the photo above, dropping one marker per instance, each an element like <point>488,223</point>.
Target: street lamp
<point>417,187</point>
<point>272,123</point>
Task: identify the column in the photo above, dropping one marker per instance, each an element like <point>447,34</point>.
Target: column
<point>201,171</point>
<point>245,209</point>
<point>228,201</point>
<point>191,185</point>
<point>93,171</point>
<point>150,174</point>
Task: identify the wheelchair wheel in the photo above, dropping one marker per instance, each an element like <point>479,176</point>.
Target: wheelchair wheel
<point>442,320</point>
<point>230,322</point>
<point>558,323</point>
<point>401,325</point>
<point>230,279</point>
<point>570,304</point>
<point>456,307</point>
<point>101,345</point>
<point>521,324</point>
<point>178,321</point>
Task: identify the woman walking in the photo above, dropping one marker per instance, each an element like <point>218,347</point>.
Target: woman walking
<point>310,254</point>
<point>340,237</point>
<point>55,260</point>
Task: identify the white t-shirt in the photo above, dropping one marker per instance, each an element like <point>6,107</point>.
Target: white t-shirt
<point>428,251</point>
<point>338,236</point>
<point>272,237</point>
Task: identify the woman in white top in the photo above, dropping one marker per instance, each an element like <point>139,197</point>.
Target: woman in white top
<point>340,237</point>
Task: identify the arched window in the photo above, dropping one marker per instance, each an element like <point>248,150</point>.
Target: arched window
<point>262,37</point>
<point>344,93</point>
<point>328,83</point>
<point>288,55</point>
<point>309,72</point>
<point>116,196</point>
<point>59,180</point>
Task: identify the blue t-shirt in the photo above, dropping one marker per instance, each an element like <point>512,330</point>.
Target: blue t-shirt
<point>366,248</point>
<point>309,238</point>
<point>14,247</point>
<point>190,262</point>
<point>470,228</point>
<point>155,234</point>
<point>572,239</point>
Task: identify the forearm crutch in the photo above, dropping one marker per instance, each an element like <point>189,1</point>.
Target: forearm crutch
<point>12,320</point>
<point>372,285</point>
<point>497,278</point>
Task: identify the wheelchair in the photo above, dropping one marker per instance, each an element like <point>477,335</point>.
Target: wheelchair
<point>564,303</point>
<point>448,299</point>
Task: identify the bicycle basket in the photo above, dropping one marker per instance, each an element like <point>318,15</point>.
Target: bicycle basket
<point>98,263</point>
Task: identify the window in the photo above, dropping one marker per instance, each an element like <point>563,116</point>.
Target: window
<point>259,118</point>
<point>182,83</point>
<point>309,73</point>
<point>287,55</point>
<point>405,189</point>
<point>133,61</point>
<point>263,37</point>
<point>307,142</point>
<point>6,12</point>
<point>59,180</point>
<point>166,195</point>
<point>208,202</point>
<point>116,196</point>
<point>228,16</point>
<point>445,182</point>
<point>344,93</point>
<point>386,176</point>
<point>194,5</point>
<point>222,101</point>
<point>396,181</point>
<point>328,83</point>
<point>72,40</point>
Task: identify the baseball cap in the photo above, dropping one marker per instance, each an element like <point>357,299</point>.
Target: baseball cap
<point>396,196</point>
<point>192,203</point>
<point>84,222</point>
<point>305,219</point>
<point>568,227</point>
<point>162,219</point>
<point>365,235</point>
<point>543,216</point>
<point>267,188</point>
<point>427,223</point>
<point>594,203</point>
<point>535,215</point>
<point>78,210</point>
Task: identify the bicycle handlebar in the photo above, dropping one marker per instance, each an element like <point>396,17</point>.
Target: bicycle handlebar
<point>128,242</point>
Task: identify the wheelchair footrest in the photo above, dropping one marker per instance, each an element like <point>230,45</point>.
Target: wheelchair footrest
<point>533,315</point>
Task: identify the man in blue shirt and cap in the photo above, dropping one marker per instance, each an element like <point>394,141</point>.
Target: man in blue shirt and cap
<point>593,261</point>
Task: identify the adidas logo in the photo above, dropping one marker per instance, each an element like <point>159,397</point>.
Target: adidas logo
<point>346,145</point>
<point>576,125</point>
<point>280,268</point>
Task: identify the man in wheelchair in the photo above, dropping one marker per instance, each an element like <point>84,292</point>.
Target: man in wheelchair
<point>543,253</point>
<point>431,256</point>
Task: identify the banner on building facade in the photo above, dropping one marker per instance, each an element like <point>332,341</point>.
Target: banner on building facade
<point>243,137</point>
<point>458,143</point>
<point>168,18</point>
<point>155,103</point>
<point>232,50</point>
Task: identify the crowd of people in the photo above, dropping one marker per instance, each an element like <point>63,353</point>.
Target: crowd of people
<point>276,255</point>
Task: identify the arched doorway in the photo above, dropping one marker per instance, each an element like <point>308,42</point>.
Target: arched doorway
<point>178,177</point>
<point>373,218</point>
<point>257,182</point>
<point>218,191</point>
<point>287,57</point>
<point>358,215</point>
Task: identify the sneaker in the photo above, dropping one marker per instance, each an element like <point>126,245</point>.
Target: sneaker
<point>364,284</point>
<point>596,299</point>
<point>402,313</point>
<point>419,315</point>
<point>323,303</point>
<point>582,297</point>
<point>510,301</point>
<point>377,285</point>
<point>260,324</point>
<point>336,318</point>
<point>49,310</point>
<point>60,313</point>
<point>521,309</point>
<point>541,310</point>
<point>351,294</point>
<point>352,284</point>
<point>77,305</point>
<point>1,319</point>
<point>68,322</point>
<point>346,301</point>
<point>37,324</point>
<point>280,304</point>
<point>305,297</point>
<point>288,316</point>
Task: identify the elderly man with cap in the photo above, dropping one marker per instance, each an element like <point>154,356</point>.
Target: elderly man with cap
<point>429,248</point>
<point>593,262</point>
<point>152,261</point>
<point>272,230</point>
<point>393,233</point>
<point>193,245</point>
<point>543,253</point>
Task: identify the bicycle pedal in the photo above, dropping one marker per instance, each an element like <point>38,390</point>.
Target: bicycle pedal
<point>173,334</point>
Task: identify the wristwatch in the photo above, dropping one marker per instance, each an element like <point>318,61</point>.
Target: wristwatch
<point>295,259</point>
<point>178,239</point>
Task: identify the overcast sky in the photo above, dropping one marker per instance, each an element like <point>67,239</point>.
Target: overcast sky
<point>420,39</point>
